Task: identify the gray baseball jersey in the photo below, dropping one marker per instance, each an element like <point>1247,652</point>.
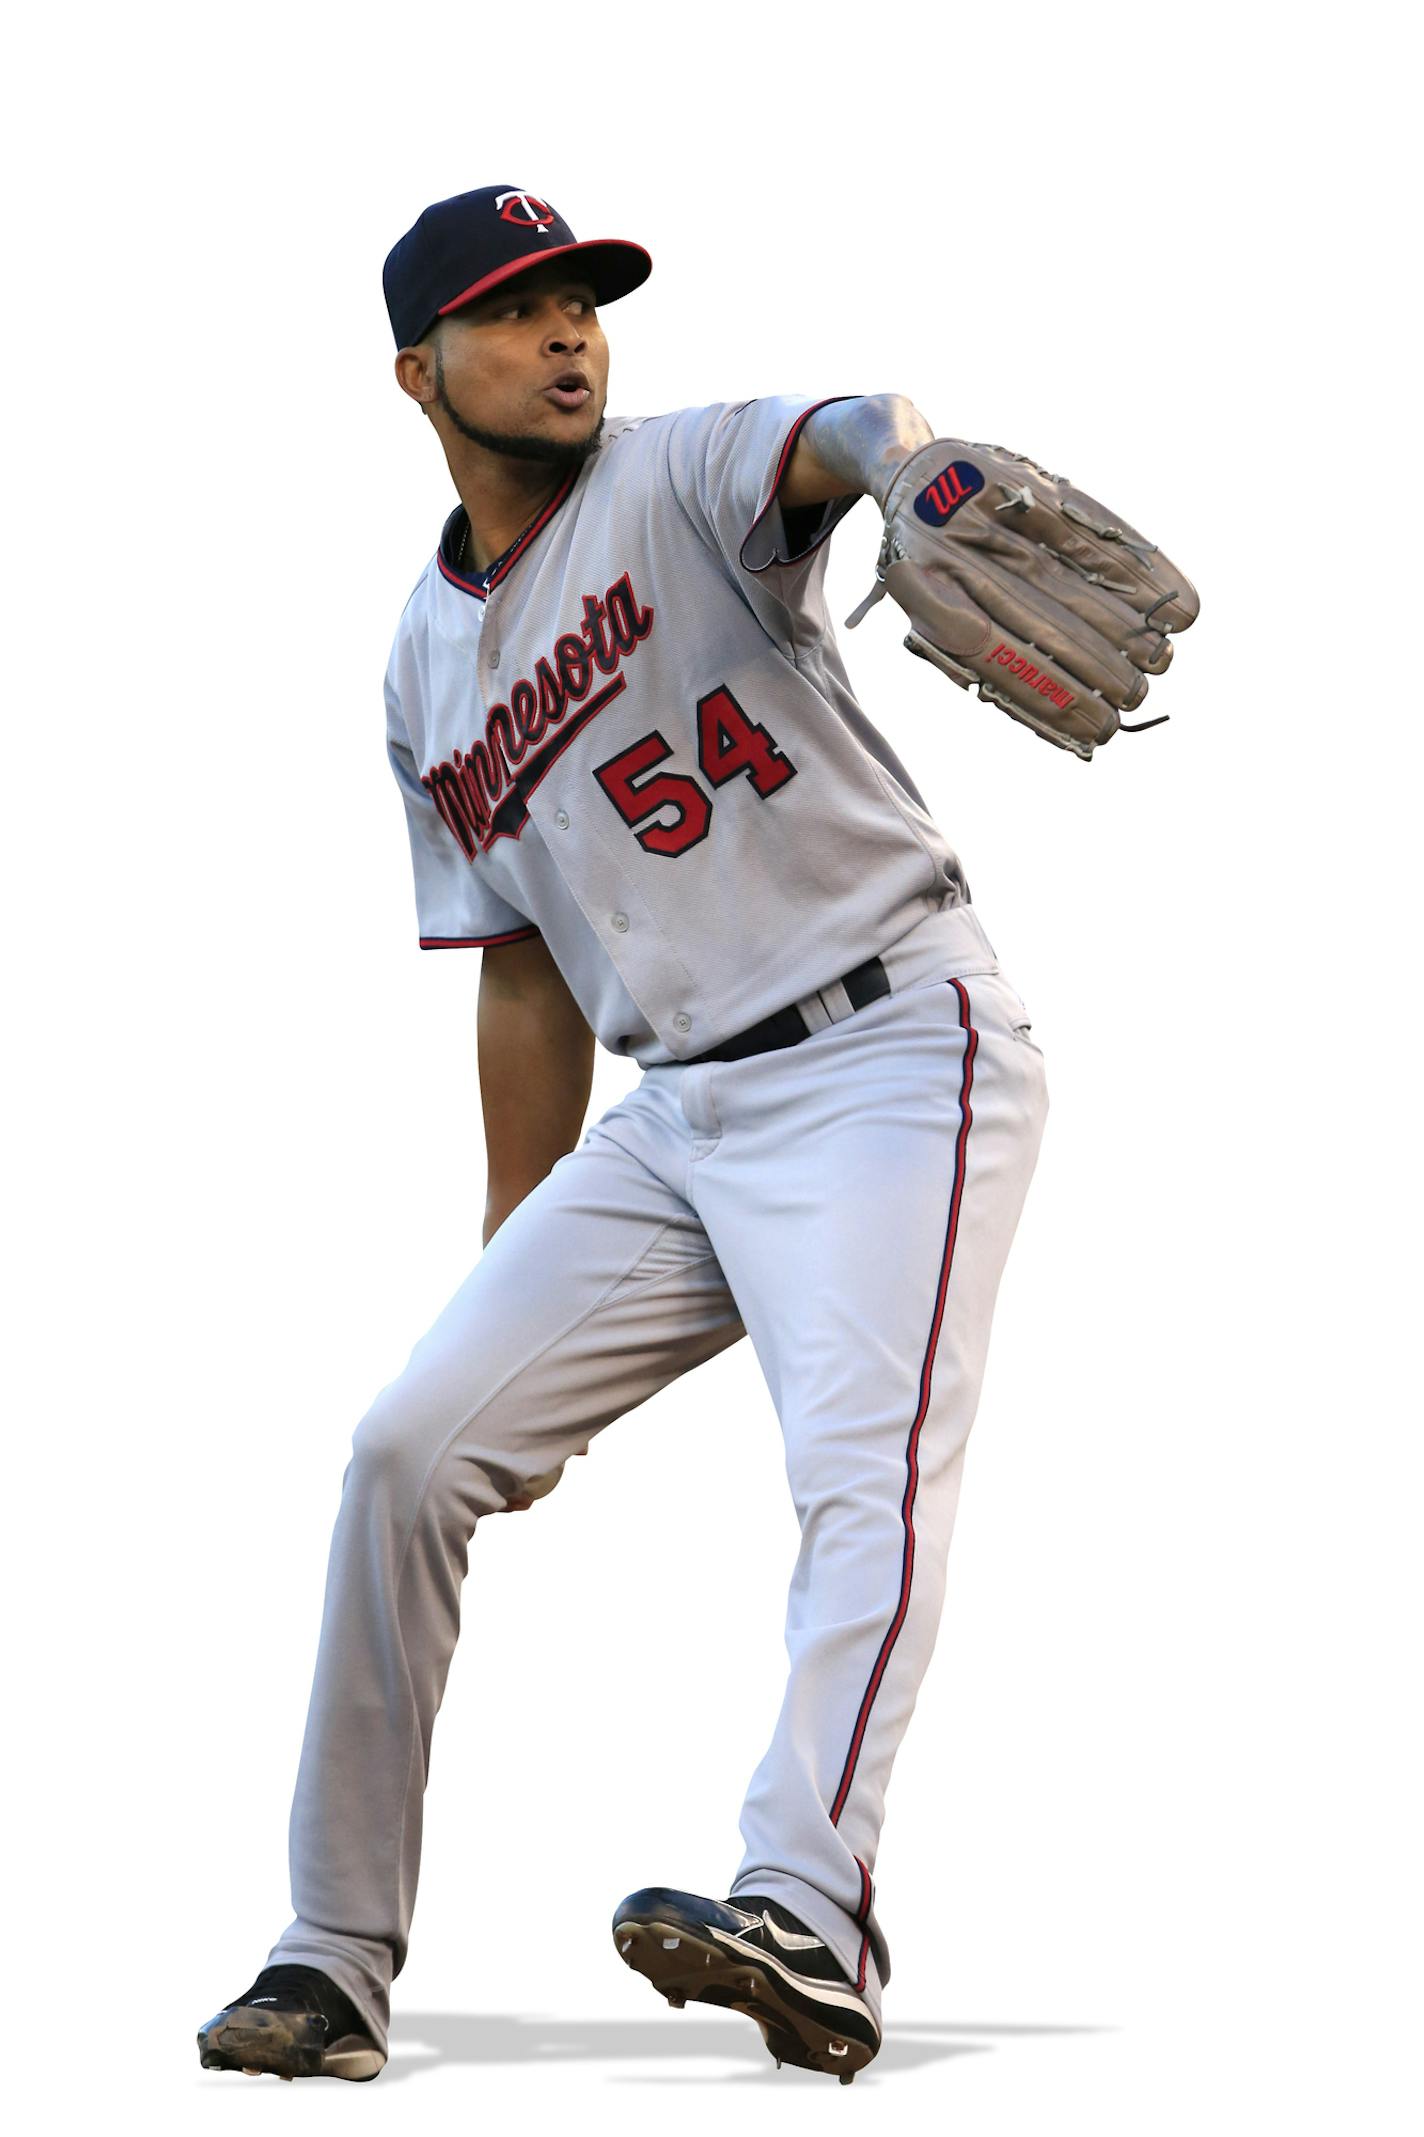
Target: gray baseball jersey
<point>640,742</point>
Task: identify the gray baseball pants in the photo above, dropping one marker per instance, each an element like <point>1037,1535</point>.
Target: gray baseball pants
<point>849,1203</point>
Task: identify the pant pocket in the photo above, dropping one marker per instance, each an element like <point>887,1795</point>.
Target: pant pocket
<point>1016,1011</point>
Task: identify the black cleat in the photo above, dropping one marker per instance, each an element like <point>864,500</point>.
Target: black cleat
<point>750,1954</point>
<point>294,2022</point>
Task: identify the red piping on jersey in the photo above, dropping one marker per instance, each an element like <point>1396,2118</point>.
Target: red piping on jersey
<point>786,451</point>
<point>481,591</point>
<point>474,942</point>
<point>907,1509</point>
<point>466,586</point>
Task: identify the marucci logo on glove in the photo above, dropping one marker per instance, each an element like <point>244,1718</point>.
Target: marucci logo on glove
<point>942,498</point>
<point>1020,665</point>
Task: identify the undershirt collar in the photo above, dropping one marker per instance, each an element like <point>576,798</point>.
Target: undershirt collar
<point>480,582</point>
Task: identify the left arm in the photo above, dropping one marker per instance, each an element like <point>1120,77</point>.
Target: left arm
<point>852,449</point>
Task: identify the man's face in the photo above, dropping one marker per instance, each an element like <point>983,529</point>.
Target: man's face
<point>501,364</point>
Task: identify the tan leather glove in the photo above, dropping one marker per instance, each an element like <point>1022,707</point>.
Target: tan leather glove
<point>1029,590</point>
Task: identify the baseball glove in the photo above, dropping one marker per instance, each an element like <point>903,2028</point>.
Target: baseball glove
<point>1022,586</point>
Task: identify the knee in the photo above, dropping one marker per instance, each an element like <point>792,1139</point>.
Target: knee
<point>411,1444</point>
<point>399,1434</point>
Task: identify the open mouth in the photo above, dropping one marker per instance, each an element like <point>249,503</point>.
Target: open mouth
<point>571,391</point>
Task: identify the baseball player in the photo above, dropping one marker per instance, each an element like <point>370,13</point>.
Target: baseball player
<point>635,776</point>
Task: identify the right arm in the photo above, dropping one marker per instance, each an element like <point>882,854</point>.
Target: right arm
<point>536,1071</point>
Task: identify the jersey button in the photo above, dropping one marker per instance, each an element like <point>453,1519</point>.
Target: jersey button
<point>561,818</point>
<point>494,658</point>
<point>620,921</point>
<point>682,1021</point>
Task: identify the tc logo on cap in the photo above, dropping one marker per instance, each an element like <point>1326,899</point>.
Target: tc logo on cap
<point>524,208</point>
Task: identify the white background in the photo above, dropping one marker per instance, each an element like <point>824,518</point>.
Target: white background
<point>1151,1858</point>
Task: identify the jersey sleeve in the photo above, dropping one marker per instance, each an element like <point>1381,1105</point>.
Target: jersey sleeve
<point>455,908</point>
<point>726,464</point>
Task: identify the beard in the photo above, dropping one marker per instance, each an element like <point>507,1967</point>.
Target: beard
<point>518,445</point>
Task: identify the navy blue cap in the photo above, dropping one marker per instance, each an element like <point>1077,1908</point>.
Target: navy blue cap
<point>461,247</point>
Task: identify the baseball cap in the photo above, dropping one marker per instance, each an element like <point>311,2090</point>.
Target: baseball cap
<point>461,247</point>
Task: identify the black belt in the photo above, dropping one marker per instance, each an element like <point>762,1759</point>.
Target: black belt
<point>787,1027</point>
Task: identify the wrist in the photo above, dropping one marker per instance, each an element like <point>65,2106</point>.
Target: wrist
<point>866,442</point>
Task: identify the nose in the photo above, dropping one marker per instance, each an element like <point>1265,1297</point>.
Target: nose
<point>563,336</point>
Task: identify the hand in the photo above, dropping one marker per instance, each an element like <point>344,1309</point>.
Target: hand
<point>536,1488</point>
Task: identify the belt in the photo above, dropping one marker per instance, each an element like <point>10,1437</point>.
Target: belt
<point>787,1027</point>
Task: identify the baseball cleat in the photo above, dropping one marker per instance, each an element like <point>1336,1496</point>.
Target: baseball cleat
<point>294,2022</point>
<point>750,1954</point>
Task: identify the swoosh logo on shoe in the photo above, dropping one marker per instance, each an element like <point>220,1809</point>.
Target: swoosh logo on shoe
<point>790,1942</point>
<point>838,1995</point>
<point>784,1937</point>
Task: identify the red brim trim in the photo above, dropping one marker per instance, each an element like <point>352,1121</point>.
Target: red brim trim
<point>619,287</point>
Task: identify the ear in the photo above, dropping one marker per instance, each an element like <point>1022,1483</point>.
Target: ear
<point>415,372</point>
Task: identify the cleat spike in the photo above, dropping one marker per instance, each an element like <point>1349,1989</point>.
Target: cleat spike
<point>671,1943</point>
<point>677,2002</point>
<point>847,2077</point>
<point>837,2048</point>
<point>625,1944</point>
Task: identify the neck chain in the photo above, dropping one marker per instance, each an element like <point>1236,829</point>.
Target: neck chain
<point>462,560</point>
